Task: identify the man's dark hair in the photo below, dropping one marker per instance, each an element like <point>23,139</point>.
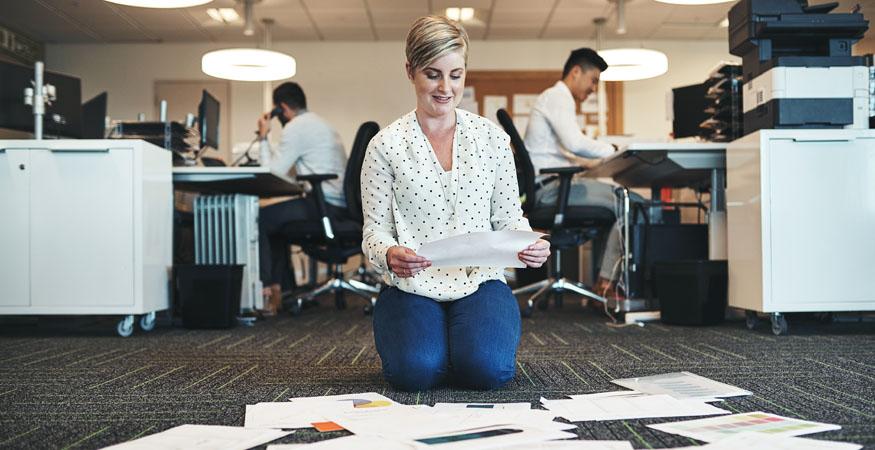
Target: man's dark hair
<point>585,58</point>
<point>291,94</point>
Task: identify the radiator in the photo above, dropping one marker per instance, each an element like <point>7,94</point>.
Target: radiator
<point>226,232</point>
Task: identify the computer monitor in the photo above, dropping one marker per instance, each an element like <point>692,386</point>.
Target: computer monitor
<point>689,104</point>
<point>62,118</point>
<point>208,120</point>
<point>94,117</point>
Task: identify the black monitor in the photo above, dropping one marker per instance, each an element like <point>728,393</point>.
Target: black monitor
<point>63,118</point>
<point>689,104</point>
<point>94,117</point>
<point>208,120</point>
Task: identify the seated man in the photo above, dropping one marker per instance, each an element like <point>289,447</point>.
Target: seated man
<point>554,139</point>
<point>308,145</point>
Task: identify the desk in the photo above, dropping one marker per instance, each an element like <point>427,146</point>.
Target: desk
<point>258,181</point>
<point>226,226</point>
<point>668,164</point>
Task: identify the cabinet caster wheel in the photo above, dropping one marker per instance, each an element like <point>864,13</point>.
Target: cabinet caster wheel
<point>779,324</point>
<point>147,321</point>
<point>125,327</point>
<point>751,319</point>
<point>527,311</point>
<point>296,307</point>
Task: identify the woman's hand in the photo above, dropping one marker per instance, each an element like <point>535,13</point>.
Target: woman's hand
<point>404,262</point>
<point>536,254</point>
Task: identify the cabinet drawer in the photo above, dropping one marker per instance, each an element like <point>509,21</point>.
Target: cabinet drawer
<point>14,227</point>
<point>82,230</point>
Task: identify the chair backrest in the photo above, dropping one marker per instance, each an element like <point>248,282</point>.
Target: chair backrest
<point>525,171</point>
<point>353,174</point>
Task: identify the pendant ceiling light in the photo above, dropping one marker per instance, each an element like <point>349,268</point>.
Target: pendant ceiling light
<point>161,3</point>
<point>629,64</point>
<point>250,64</point>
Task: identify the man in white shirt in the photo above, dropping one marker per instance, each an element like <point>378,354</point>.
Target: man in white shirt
<point>308,145</point>
<point>554,139</point>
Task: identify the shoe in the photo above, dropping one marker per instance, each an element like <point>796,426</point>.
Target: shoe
<point>268,300</point>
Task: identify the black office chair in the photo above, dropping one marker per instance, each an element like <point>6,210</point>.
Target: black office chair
<point>569,226</point>
<point>335,239</point>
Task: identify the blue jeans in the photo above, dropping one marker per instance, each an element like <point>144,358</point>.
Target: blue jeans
<point>471,341</point>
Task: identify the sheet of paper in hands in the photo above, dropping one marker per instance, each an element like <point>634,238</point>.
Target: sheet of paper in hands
<point>483,248</point>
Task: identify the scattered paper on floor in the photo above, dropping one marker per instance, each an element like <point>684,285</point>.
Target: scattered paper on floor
<point>717,428</point>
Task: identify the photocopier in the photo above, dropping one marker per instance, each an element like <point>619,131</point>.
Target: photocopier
<point>797,67</point>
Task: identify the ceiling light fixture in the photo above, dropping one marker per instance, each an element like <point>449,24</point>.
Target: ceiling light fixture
<point>460,14</point>
<point>161,3</point>
<point>629,64</point>
<point>621,16</point>
<point>695,2</point>
<point>250,64</point>
<point>223,15</point>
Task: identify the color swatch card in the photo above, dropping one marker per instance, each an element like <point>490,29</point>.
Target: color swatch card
<point>682,385</point>
<point>718,428</point>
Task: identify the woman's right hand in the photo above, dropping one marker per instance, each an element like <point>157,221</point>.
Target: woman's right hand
<point>404,262</point>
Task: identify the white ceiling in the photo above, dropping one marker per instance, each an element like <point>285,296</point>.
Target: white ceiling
<point>97,21</point>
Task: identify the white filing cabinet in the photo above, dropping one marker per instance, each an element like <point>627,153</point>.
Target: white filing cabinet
<point>801,222</point>
<point>86,228</point>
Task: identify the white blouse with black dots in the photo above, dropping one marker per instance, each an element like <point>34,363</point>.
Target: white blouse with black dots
<point>408,200</point>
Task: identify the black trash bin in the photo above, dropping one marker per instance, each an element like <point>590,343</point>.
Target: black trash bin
<point>691,292</point>
<point>209,294</point>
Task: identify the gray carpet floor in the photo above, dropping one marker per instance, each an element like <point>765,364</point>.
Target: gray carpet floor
<point>72,383</point>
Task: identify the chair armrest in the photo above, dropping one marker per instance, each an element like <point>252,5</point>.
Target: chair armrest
<point>565,174</point>
<point>315,180</point>
<point>316,177</point>
<point>562,170</point>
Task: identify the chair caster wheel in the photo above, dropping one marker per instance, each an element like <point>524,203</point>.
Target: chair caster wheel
<point>296,307</point>
<point>751,319</point>
<point>543,303</point>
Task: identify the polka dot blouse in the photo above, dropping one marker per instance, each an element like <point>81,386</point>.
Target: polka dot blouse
<point>408,200</point>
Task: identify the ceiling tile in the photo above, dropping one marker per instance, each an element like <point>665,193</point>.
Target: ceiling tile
<point>396,17</point>
<point>513,32</point>
<point>347,33</point>
<point>315,5</point>
<point>421,5</point>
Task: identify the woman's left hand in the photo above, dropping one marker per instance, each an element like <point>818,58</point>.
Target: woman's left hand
<point>536,254</point>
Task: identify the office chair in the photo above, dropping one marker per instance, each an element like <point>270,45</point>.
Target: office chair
<point>569,226</point>
<point>334,239</point>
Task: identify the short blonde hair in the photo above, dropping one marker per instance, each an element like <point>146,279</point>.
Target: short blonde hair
<point>432,37</point>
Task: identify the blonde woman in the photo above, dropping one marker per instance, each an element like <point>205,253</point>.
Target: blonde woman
<point>436,172</point>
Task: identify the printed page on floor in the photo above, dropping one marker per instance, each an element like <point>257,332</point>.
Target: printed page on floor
<point>717,428</point>
<point>628,407</point>
<point>681,385</point>
<point>293,414</point>
<point>763,441</point>
<point>203,437</point>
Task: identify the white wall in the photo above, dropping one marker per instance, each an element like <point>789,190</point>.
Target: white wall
<point>352,82</point>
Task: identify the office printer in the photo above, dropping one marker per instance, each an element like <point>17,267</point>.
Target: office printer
<point>797,67</point>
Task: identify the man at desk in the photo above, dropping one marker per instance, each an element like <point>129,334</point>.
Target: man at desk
<point>554,139</point>
<point>308,145</point>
